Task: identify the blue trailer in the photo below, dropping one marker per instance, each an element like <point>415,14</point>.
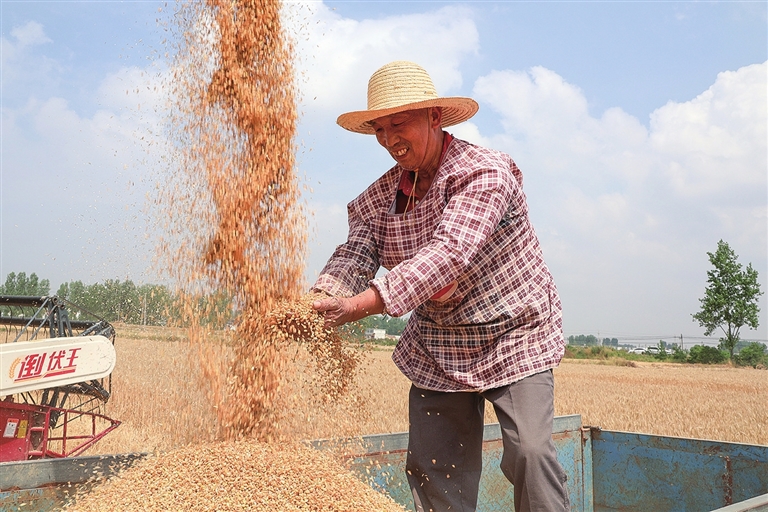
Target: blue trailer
<point>607,471</point>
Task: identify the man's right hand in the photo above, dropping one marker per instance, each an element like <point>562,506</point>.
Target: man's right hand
<point>341,310</point>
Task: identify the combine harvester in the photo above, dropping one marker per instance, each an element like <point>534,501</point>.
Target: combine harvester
<point>54,376</point>
<point>607,470</point>
<point>56,361</point>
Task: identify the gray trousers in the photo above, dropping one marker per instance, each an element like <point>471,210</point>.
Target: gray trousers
<point>445,446</point>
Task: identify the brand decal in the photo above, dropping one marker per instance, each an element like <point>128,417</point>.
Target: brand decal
<point>44,365</point>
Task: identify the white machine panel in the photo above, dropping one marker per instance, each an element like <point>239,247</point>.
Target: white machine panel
<point>41,364</point>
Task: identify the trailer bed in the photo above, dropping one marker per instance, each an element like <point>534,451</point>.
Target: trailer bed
<point>607,471</point>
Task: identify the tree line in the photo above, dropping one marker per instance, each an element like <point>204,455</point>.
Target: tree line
<point>591,340</point>
<point>116,301</point>
<point>752,354</point>
<point>151,304</point>
<point>730,302</point>
<point>113,300</point>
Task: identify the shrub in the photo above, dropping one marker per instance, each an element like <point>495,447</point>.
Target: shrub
<point>679,355</point>
<point>597,351</point>
<point>706,355</point>
<point>591,352</point>
<point>752,355</point>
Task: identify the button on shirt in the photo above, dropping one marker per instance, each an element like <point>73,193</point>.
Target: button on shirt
<point>498,318</point>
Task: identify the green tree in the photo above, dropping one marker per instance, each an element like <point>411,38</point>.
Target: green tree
<point>730,298</point>
<point>20,284</point>
<point>148,304</point>
<point>156,304</point>
<point>75,292</point>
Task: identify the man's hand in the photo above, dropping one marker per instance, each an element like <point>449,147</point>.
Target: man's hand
<point>336,310</point>
<point>341,310</point>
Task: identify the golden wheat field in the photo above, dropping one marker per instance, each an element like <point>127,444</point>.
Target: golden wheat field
<point>158,396</point>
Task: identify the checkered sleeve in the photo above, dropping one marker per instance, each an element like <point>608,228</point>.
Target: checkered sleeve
<point>353,263</point>
<point>477,200</point>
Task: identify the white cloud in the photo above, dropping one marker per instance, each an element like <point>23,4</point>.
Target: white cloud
<point>533,104</point>
<point>17,59</point>
<point>470,132</point>
<point>547,123</point>
<point>132,89</point>
<point>75,185</point>
<point>338,54</point>
<point>626,213</point>
<point>30,34</point>
<point>715,144</point>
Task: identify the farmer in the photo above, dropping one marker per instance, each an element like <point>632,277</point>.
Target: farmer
<point>450,223</point>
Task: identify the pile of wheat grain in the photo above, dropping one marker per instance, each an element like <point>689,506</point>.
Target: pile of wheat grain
<point>237,476</point>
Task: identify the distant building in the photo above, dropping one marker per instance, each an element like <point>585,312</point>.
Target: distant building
<point>375,334</point>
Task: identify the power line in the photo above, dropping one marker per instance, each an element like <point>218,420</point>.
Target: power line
<point>628,338</point>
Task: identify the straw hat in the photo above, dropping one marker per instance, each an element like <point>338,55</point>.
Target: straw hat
<point>400,86</point>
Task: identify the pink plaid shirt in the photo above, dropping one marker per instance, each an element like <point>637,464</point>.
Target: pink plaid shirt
<point>467,262</point>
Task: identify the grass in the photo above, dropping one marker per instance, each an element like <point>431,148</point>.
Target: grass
<point>159,396</point>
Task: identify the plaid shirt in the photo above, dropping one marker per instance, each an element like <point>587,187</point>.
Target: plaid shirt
<point>501,319</point>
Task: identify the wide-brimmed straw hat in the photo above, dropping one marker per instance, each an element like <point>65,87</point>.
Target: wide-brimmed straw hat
<point>400,86</point>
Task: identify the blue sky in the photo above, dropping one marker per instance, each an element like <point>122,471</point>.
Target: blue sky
<point>640,128</point>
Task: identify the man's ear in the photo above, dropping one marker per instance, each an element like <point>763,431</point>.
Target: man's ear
<point>435,117</point>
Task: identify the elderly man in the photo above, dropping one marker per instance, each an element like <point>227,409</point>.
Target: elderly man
<point>450,223</point>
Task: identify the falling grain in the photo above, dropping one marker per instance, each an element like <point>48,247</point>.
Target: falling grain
<point>235,234</point>
<point>235,228</point>
<point>335,362</point>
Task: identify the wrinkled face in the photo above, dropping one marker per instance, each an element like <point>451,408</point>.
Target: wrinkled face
<point>411,137</point>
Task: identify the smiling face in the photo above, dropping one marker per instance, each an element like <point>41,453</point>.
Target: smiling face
<point>414,138</point>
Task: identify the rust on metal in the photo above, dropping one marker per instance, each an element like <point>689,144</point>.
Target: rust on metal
<point>728,481</point>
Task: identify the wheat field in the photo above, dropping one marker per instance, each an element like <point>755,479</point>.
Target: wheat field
<point>162,401</point>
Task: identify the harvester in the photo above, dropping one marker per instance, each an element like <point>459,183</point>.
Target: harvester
<point>56,361</point>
